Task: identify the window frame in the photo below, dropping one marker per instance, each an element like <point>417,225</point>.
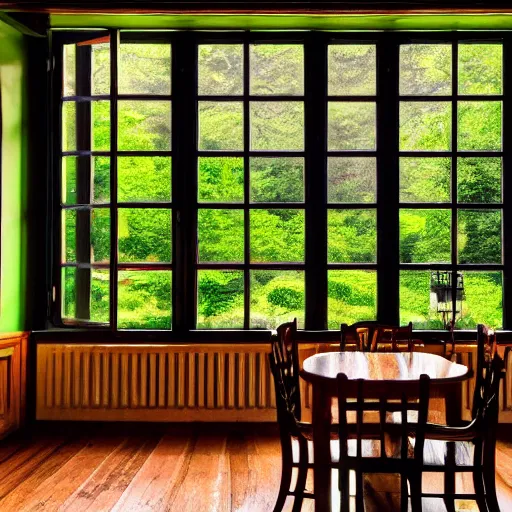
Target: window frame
<point>184,151</point>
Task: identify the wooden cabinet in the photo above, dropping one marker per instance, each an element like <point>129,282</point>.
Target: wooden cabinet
<point>13,362</point>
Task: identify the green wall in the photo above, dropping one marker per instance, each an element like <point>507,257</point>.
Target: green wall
<point>13,69</point>
<point>287,21</point>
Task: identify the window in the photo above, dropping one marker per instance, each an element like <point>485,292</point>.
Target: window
<point>236,180</point>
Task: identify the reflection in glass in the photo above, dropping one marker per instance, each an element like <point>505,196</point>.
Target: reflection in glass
<point>144,234</point>
<point>144,299</point>
<point>352,236</point>
<point>479,180</point>
<point>144,125</point>
<point>425,69</point>
<point>100,68</point>
<point>97,296</point>
<point>425,180</point>
<point>221,125</point>
<point>220,299</point>
<point>277,125</point>
<point>277,69</point>
<point>144,178</point>
<point>479,236</point>
<point>221,179</point>
<point>276,296</point>
<point>277,235</point>
<point>351,180</point>
<point>480,68</point>
<point>220,235</point>
<point>425,236</point>
<point>351,125</point>
<point>425,126</point>
<point>277,180</point>
<point>220,69</point>
<point>479,125</point>
<point>69,70</point>
<point>352,69</point>
<point>145,69</point>
<point>352,296</point>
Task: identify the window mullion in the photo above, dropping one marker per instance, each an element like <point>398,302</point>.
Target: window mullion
<point>114,52</point>
<point>507,182</point>
<point>388,253</point>
<point>184,144</point>
<point>315,69</point>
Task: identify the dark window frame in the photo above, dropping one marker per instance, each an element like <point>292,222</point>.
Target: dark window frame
<point>185,153</point>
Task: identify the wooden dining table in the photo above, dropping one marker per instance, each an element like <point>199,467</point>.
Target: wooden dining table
<point>392,370</point>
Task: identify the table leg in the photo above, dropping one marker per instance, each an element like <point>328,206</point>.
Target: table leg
<point>321,448</point>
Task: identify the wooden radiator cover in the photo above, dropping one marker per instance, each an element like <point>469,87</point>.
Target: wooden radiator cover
<point>183,382</point>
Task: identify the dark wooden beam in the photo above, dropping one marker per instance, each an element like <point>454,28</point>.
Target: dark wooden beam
<point>267,6</point>
<point>29,24</point>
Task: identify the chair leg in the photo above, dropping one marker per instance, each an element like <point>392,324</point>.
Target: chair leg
<point>478,484</point>
<point>404,494</point>
<point>416,492</point>
<point>286,474</point>
<point>359,492</point>
<point>302,475</point>
<point>449,478</point>
<point>344,486</point>
<point>489,476</point>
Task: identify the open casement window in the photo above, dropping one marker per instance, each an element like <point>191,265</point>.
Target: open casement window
<point>238,180</point>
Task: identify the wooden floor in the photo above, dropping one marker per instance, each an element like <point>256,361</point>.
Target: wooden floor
<point>126,467</point>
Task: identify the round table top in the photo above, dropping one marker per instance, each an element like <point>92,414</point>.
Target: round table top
<point>382,366</point>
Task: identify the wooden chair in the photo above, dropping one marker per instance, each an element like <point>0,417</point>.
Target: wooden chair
<point>284,365</point>
<point>471,448</point>
<point>372,336</point>
<point>390,453</point>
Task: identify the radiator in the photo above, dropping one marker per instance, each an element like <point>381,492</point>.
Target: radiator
<point>222,382</point>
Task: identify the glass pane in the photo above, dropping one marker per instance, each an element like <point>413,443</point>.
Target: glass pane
<point>277,125</point>
<point>221,125</point>
<point>351,125</point>
<point>479,125</point>
<point>86,235</point>
<point>277,69</point>
<point>425,69</point>
<point>100,68</point>
<point>479,236</point>
<point>277,296</point>
<point>277,236</point>
<point>482,300</point>
<point>425,180</point>
<point>418,301</point>
<point>425,126</point>
<point>351,180</point>
<point>144,234</point>
<point>221,179</point>
<point>144,178</point>
<point>480,68</point>
<point>220,301</point>
<point>144,125</point>
<point>75,192</point>
<point>352,296</point>
<point>69,70</point>
<point>144,299</point>
<point>145,69</point>
<point>425,236</point>
<point>96,297</point>
<point>98,139</point>
<point>352,69</point>
<point>220,235</point>
<point>352,236</point>
<point>277,180</point>
<point>479,180</point>
<point>220,68</point>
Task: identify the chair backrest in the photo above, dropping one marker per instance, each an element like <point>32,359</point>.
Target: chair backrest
<point>285,351</point>
<point>486,350</point>
<point>409,402</point>
<point>372,336</point>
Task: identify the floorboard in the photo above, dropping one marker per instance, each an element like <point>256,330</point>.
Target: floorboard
<point>184,468</point>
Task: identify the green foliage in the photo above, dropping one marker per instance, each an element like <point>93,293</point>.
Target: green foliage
<point>286,298</point>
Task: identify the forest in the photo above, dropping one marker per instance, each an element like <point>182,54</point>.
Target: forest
<point>277,230</point>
